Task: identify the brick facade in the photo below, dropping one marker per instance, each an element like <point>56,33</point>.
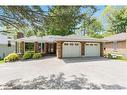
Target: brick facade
<point>36,47</point>
<point>22,47</point>
<point>121,47</point>
<point>59,49</point>
<point>82,48</point>
<point>20,35</point>
<point>101,49</point>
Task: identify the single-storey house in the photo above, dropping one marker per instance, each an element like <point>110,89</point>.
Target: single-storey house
<point>61,46</point>
<point>7,45</point>
<point>116,44</point>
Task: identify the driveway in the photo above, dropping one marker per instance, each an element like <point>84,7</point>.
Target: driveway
<point>98,70</point>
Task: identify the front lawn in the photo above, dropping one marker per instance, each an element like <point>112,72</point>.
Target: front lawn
<point>1,61</point>
<point>124,58</point>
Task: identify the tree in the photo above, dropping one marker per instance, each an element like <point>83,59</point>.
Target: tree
<point>116,18</point>
<point>65,19</point>
<point>21,17</point>
<point>93,27</point>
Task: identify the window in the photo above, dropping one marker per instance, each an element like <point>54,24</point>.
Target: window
<point>65,44</point>
<point>95,44</point>
<point>29,46</point>
<point>76,44</point>
<point>87,44</point>
<point>9,43</point>
<point>71,44</point>
<point>91,44</point>
<point>114,45</point>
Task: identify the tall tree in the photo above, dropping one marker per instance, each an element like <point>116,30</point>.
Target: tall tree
<point>65,19</point>
<point>116,17</point>
<point>21,17</point>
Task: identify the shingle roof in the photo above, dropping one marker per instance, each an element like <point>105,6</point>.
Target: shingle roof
<point>116,37</point>
<point>54,38</point>
<point>78,38</point>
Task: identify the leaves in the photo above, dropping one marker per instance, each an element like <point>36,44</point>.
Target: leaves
<point>116,17</point>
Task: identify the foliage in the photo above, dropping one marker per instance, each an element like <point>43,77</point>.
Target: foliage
<point>2,61</point>
<point>63,20</point>
<point>109,55</point>
<point>37,55</point>
<point>27,55</point>
<point>20,18</point>
<point>93,27</point>
<point>58,20</point>
<point>116,18</point>
<point>11,57</point>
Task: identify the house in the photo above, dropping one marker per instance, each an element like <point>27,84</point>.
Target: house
<point>61,46</point>
<point>116,44</point>
<point>7,45</point>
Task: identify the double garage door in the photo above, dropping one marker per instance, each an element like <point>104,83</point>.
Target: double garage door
<point>73,49</point>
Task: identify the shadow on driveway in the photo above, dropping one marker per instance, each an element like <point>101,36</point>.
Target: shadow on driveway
<point>84,59</point>
<point>58,82</point>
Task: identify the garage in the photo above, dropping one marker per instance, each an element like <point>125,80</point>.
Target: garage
<point>92,49</point>
<point>71,49</point>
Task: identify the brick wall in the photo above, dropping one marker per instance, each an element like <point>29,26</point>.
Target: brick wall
<point>20,35</point>
<point>121,44</point>
<point>59,50</point>
<point>22,47</point>
<point>36,47</point>
<point>82,48</point>
<point>121,47</point>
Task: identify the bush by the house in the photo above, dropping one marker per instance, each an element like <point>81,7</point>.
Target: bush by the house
<point>109,55</point>
<point>37,55</point>
<point>11,57</point>
<point>114,56</point>
<point>119,57</point>
<point>27,55</point>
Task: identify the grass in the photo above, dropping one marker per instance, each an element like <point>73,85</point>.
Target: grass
<point>124,58</point>
<point>2,61</point>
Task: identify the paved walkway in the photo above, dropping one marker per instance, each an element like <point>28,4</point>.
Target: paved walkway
<point>97,70</point>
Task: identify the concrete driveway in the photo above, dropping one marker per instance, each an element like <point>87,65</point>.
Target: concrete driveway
<point>97,69</point>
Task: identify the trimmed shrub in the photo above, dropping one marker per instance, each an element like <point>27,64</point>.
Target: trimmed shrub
<point>27,55</point>
<point>37,55</point>
<point>11,57</point>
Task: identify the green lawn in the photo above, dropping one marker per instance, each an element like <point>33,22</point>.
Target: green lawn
<point>124,58</point>
<point>1,61</point>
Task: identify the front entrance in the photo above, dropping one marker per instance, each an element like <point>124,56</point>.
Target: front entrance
<point>51,48</point>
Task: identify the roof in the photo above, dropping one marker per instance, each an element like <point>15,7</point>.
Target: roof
<point>54,38</point>
<point>31,39</point>
<point>116,37</point>
<point>4,40</point>
<point>78,38</point>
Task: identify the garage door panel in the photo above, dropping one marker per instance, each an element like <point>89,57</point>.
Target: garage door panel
<point>92,49</point>
<point>71,49</point>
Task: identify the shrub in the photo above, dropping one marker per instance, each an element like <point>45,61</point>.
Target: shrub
<point>37,55</point>
<point>27,55</point>
<point>119,57</point>
<point>11,57</point>
<point>109,55</point>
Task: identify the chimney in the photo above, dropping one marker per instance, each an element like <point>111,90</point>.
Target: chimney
<point>20,35</point>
